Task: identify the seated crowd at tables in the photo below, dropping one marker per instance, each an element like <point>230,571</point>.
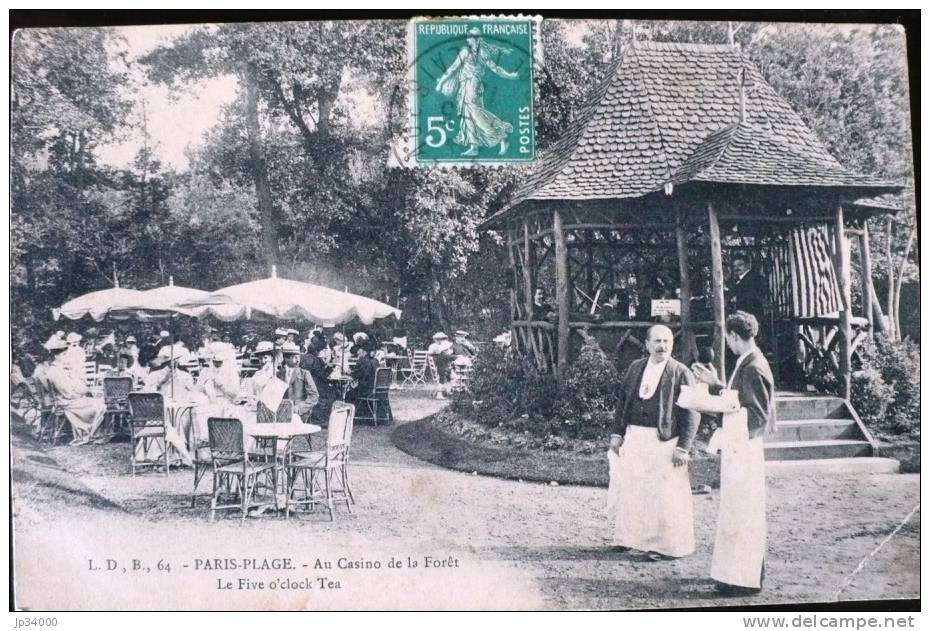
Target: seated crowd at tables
<point>218,377</point>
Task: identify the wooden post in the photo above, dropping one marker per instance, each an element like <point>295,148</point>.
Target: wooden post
<point>689,347</point>
<point>528,264</point>
<point>561,288</point>
<point>514,309</point>
<point>842,272</point>
<point>868,289</point>
<point>716,268</point>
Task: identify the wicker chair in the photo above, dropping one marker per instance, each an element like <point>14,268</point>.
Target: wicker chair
<point>306,466</point>
<point>147,428</point>
<point>232,463</point>
<point>116,397</point>
<point>267,446</point>
<point>379,397</point>
<point>52,422</point>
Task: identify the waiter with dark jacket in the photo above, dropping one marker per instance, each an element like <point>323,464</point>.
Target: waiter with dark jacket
<point>652,437</point>
<point>740,545</point>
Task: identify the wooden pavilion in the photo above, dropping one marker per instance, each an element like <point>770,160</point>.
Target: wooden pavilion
<point>683,155</point>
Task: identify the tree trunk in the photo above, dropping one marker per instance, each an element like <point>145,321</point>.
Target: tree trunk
<point>260,175</point>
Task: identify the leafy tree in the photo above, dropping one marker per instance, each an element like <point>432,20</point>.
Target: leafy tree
<point>67,97</point>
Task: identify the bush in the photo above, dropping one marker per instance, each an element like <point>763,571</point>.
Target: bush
<point>509,392</point>
<point>889,378</point>
<point>870,395</point>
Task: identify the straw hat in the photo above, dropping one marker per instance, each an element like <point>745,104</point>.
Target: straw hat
<point>339,337</point>
<point>290,348</point>
<point>280,332</point>
<point>178,350</point>
<point>263,347</point>
<point>461,334</point>
<point>222,351</point>
<point>55,343</point>
<point>131,339</point>
<point>74,338</point>
<point>440,336</point>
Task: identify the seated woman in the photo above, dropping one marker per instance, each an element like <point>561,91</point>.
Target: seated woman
<point>126,366</point>
<point>341,353</point>
<point>83,412</point>
<point>220,380</point>
<point>363,375</point>
<point>265,351</point>
<point>170,383</point>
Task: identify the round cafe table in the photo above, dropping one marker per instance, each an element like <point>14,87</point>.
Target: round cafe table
<point>275,434</point>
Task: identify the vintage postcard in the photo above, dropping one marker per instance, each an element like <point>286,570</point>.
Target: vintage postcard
<point>464,312</point>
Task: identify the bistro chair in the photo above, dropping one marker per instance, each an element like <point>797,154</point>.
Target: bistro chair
<point>147,429</point>
<point>379,397</point>
<point>116,397</point>
<point>433,370</point>
<point>329,464</point>
<point>461,375</point>
<point>266,446</point>
<point>233,466</point>
<point>90,375</point>
<point>415,373</point>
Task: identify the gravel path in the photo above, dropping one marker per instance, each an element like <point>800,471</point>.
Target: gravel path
<point>512,544</point>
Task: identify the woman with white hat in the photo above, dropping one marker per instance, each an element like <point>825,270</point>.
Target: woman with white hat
<point>220,380</point>
<point>83,412</point>
<point>74,354</point>
<point>160,377</point>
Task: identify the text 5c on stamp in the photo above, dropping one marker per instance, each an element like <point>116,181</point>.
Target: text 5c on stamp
<point>472,90</point>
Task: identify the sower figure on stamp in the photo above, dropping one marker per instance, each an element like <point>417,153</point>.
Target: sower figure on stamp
<point>739,547</point>
<point>652,437</point>
<point>477,125</point>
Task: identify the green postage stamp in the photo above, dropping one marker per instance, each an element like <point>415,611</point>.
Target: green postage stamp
<point>472,90</point>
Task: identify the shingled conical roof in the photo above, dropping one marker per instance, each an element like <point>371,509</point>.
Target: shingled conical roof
<point>670,112</point>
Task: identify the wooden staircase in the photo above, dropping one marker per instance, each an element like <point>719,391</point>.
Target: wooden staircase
<point>811,427</point>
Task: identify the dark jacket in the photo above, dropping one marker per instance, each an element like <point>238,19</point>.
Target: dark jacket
<point>364,374</point>
<point>673,420</point>
<point>748,293</point>
<point>753,380</point>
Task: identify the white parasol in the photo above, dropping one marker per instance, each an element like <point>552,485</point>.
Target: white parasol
<point>97,304</point>
<point>286,299</point>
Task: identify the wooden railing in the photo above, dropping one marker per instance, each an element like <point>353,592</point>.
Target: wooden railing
<point>539,339</point>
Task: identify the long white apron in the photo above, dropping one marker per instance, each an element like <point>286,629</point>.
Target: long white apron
<point>654,510</point>
<point>739,546</point>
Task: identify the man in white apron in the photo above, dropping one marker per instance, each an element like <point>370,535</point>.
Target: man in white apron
<point>654,511</point>
<point>739,546</point>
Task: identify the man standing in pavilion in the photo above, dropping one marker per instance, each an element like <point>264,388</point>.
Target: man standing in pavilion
<point>652,437</point>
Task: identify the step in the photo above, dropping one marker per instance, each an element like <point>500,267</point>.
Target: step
<point>810,407</point>
<point>832,466</point>
<point>812,449</point>
<point>815,429</point>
